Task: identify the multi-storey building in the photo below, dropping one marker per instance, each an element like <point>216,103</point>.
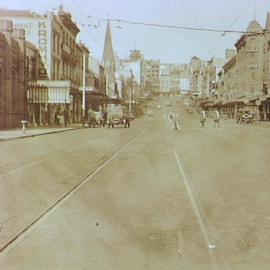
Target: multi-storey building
<point>250,60</point>
<point>151,76</point>
<point>55,37</point>
<point>172,77</point>
<point>12,72</point>
<point>227,87</point>
<point>37,94</point>
<point>242,81</point>
<point>130,74</point>
<point>165,79</point>
<point>179,78</point>
<point>96,91</point>
<point>198,74</point>
<point>264,102</point>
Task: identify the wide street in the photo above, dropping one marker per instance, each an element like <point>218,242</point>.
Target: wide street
<point>141,198</point>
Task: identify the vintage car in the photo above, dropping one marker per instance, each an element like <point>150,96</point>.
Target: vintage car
<point>244,117</point>
<point>117,115</point>
<point>92,118</point>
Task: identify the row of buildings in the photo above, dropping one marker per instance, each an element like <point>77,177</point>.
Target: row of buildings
<point>144,75</point>
<point>43,69</point>
<point>44,72</point>
<point>241,81</point>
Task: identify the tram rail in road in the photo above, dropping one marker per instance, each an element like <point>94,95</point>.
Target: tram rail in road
<point>14,241</point>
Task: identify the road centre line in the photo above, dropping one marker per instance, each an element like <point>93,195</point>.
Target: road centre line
<point>11,244</point>
<point>196,207</point>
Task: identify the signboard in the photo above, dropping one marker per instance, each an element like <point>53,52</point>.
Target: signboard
<point>38,31</point>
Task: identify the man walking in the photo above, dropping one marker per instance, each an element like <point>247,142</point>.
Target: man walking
<point>203,118</point>
<point>216,118</point>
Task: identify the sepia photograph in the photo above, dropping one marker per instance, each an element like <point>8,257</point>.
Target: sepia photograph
<point>134,135</point>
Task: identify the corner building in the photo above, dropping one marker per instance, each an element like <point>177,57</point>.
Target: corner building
<point>12,86</point>
<point>55,37</point>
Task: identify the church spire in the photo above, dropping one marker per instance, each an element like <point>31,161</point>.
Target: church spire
<point>267,25</point>
<point>108,53</point>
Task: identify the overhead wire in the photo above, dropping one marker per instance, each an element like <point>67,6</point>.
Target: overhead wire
<point>158,25</point>
<point>88,18</point>
<point>178,27</point>
<point>234,21</point>
<point>85,26</point>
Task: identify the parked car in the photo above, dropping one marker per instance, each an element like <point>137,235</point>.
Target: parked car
<point>117,115</point>
<point>92,119</point>
<point>244,117</point>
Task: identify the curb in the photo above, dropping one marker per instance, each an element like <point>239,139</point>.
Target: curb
<point>39,134</point>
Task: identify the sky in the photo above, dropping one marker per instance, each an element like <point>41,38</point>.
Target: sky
<point>168,45</point>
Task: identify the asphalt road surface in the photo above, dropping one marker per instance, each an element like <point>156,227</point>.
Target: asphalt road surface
<point>141,198</point>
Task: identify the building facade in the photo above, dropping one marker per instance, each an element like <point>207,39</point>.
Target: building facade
<point>60,73</point>
<point>151,76</point>
<point>243,81</point>
<point>13,99</point>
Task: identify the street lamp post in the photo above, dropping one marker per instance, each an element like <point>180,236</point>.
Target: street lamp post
<point>83,97</point>
<point>131,90</point>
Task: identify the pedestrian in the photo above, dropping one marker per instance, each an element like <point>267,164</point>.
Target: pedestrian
<point>65,117</point>
<point>61,119</point>
<point>216,118</point>
<point>105,116</point>
<point>203,118</point>
<point>170,120</point>
<point>175,122</point>
<point>56,118</point>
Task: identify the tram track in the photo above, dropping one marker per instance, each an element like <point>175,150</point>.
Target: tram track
<point>16,239</point>
<point>62,153</point>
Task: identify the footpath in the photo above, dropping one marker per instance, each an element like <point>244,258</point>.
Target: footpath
<point>13,134</point>
<point>261,124</point>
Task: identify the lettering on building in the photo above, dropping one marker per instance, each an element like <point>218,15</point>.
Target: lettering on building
<point>42,40</point>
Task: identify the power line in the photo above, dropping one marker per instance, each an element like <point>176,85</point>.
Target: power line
<point>99,43</point>
<point>87,17</point>
<point>234,21</point>
<point>179,27</point>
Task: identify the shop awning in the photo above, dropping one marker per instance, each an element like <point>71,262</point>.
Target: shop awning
<point>94,97</point>
<point>58,91</point>
<point>37,94</point>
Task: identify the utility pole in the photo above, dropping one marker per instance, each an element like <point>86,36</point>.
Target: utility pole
<point>130,91</point>
<point>83,97</point>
